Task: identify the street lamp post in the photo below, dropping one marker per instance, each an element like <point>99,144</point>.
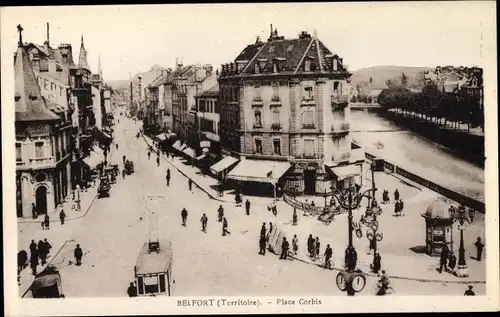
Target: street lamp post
<point>374,236</point>
<point>461,216</point>
<point>372,209</point>
<point>350,281</point>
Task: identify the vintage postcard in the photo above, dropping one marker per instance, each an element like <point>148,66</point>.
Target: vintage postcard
<point>250,158</point>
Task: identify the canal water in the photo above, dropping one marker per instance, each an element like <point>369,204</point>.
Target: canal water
<point>382,138</point>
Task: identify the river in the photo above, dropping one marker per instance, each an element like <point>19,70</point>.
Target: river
<point>383,138</point>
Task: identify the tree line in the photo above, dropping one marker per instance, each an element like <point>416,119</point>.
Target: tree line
<point>432,105</point>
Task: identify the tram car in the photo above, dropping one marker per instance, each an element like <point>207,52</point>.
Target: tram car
<point>153,270</point>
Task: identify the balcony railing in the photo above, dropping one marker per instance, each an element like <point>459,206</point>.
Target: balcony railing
<point>308,126</point>
<point>336,99</point>
<point>340,127</point>
<point>257,101</point>
<point>276,126</point>
<point>308,102</point>
<point>39,162</point>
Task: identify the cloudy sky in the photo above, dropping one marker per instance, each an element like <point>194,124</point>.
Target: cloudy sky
<point>132,38</point>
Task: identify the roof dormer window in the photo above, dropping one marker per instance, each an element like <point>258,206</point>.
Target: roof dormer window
<point>257,70</point>
<point>307,65</point>
<point>275,67</point>
<point>290,48</point>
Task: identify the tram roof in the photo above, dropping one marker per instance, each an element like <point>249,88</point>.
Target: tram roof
<point>154,262</point>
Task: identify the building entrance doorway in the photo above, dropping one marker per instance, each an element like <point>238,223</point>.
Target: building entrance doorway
<point>41,200</point>
<point>309,182</point>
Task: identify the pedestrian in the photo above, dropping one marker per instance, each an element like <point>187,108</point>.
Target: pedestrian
<point>295,244</point>
<point>275,210</point>
<point>294,217</point>
<point>396,208</point>
<point>401,207</point>
<point>328,255</point>
<point>132,290</point>
<point>32,246</point>
<point>123,173</point>
<point>377,260</point>
<point>190,184</point>
<point>204,221</point>
<point>149,154</point>
<point>34,211</point>
<point>310,245</point>
<point>452,262</point>
<point>62,216</point>
<point>78,253</point>
<point>46,222</point>
<point>313,204</point>
<point>34,261</point>
<point>479,248</point>
<point>77,197</point>
<point>263,230</point>
<point>22,260</point>
<point>168,176</point>
<point>284,249</point>
<point>47,245</point>
<point>184,215</point>
<point>42,254</point>
<point>237,198</point>
<point>247,207</point>
<point>443,258</point>
<point>220,213</point>
<point>224,227</point>
<point>317,247</point>
<point>469,291</point>
<point>158,160</point>
<point>262,245</point>
<point>270,230</point>
<point>396,195</point>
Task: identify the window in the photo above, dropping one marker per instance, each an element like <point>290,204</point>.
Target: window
<point>290,48</point>
<point>276,146</point>
<point>257,92</point>
<point>308,119</point>
<point>276,92</point>
<point>257,119</point>
<point>275,67</point>
<point>60,91</point>
<point>45,84</point>
<point>39,149</point>
<point>276,117</point>
<point>335,86</point>
<point>307,65</point>
<point>308,93</point>
<point>309,148</point>
<point>271,49</point>
<point>19,153</point>
<point>257,70</point>
<point>258,146</point>
<point>35,55</point>
<point>335,64</point>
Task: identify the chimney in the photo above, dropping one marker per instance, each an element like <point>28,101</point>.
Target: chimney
<point>46,44</point>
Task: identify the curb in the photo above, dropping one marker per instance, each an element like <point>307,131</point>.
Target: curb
<point>396,277</point>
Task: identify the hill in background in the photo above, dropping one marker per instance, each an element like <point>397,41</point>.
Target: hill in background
<point>381,74</point>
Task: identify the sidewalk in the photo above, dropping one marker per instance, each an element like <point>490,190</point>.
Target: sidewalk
<point>57,235</point>
<point>401,234</point>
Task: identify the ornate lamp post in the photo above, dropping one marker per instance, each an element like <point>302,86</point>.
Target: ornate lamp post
<point>350,280</point>
<point>372,209</point>
<point>461,216</point>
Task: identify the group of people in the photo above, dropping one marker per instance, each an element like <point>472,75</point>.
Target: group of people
<point>313,248</point>
<point>448,260</point>
<point>204,220</point>
<point>398,205</point>
<point>38,252</point>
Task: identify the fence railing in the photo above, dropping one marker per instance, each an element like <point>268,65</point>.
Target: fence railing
<point>313,210</point>
<point>448,193</point>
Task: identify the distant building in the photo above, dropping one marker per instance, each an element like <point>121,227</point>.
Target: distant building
<point>43,149</point>
<point>285,103</point>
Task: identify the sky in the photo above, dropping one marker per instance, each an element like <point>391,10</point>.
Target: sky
<point>130,39</point>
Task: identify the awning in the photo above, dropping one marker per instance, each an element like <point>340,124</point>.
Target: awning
<point>101,135</point>
<point>182,147</point>
<point>177,145</point>
<point>161,136</point>
<point>95,158</point>
<point>223,164</point>
<point>201,157</point>
<point>189,152</point>
<point>263,171</point>
<point>346,171</point>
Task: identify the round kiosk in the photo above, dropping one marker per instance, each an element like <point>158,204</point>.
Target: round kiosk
<point>438,227</point>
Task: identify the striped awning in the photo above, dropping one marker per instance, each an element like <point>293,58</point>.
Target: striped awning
<point>95,158</point>
<point>263,171</point>
<point>223,164</point>
<point>343,172</point>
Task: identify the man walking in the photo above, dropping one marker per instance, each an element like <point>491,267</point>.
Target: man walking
<point>220,212</point>
<point>34,211</point>
<point>158,160</point>
<point>34,260</point>
<point>78,253</point>
<point>317,247</point>
<point>262,245</point>
<point>168,176</point>
<point>132,290</point>
<point>46,222</point>
<point>204,220</point>
<point>62,216</point>
<point>443,258</point>
<point>247,207</point>
<point>184,215</point>
<point>190,184</point>
<point>310,245</point>
<point>396,195</point>
<point>479,248</point>
<point>469,292</point>
<point>42,252</point>
<point>294,217</point>
<point>284,249</point>
<point>328,255</point>
<point>224,227</point>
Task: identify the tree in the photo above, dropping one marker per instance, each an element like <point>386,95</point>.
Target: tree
<point>370,80</point>
<point>404,80</point>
